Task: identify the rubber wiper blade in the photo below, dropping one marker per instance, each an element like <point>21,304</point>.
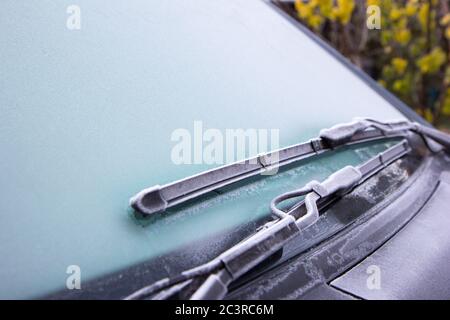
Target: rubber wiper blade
<point>213,278</point>
<point>158,198</point>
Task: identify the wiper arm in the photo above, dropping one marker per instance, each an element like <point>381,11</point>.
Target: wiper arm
<point>342,134</point>
<point>211,280</point>
<point>158,198</point>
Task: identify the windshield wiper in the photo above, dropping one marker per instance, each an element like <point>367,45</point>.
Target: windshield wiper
<point>158,198</point>
<point>211,280</point>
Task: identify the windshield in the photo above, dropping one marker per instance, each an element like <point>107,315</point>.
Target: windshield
<point>86,118</point>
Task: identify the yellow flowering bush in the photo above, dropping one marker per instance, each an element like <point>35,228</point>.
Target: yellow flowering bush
<point>399,65</point>
<point>408,55</point>
<point>432,62</point>
<point>446,107</point>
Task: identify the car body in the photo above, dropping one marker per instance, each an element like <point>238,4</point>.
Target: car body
<point>87,117</point>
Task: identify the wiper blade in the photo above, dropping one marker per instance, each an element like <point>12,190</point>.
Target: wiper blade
<point>158,198</point>
<point>211,280</point>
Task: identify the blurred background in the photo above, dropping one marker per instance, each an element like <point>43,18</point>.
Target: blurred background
<point>408,54</point>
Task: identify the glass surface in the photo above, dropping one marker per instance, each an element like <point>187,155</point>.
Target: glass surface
<point>86,118</point>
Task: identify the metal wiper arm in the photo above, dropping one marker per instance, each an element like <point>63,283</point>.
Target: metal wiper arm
<point>158,198</point>
<point>216,275</point>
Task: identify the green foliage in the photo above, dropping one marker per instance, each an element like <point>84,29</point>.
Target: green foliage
<point>409,55</point>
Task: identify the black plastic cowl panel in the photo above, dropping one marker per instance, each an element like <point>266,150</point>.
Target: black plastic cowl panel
<point>415,263</point>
